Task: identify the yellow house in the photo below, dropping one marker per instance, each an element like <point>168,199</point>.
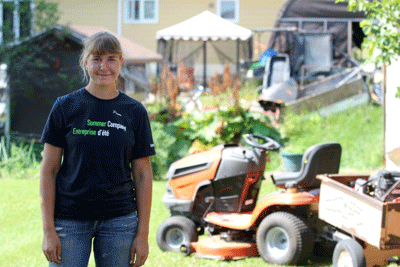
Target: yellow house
<point>139,20</point>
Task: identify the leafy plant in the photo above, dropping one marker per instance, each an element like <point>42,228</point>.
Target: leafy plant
<point>200,131</point>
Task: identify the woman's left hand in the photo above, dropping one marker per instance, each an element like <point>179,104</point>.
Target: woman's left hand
<point>139,251</point>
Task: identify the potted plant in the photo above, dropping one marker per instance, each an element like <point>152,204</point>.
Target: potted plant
<point>292,157</point>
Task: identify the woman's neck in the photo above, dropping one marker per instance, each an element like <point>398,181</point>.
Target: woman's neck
<point>108,92</point>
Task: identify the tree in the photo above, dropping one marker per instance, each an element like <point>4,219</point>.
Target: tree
<point>382,29</point>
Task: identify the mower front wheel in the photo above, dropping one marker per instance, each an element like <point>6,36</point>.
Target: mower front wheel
<point>284,239</point>
<point>175,232</point>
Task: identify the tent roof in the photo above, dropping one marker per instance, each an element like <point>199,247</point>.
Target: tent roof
<point>132,52</point>
<point>205,26</point>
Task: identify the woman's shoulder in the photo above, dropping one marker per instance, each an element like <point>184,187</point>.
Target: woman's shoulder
<point>131,102</point>
<point>73,96</point>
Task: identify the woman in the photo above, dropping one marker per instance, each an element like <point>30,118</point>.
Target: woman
<point>96,140</point>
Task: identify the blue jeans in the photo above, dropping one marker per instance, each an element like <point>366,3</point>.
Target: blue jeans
<point>112,241</point>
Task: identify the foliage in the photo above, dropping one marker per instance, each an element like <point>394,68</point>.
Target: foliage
<point>197,132</point>
<point>46,14</point>
<point>169,148</point>
<point>381,28</point>
<point>21,163</point>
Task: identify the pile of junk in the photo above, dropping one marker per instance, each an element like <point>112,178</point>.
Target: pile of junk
<point>310,60</point>
<point>310,78</point>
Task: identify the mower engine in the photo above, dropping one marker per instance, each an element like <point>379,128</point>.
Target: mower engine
<point>379,185</point>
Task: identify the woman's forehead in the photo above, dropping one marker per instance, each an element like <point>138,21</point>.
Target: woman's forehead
<point>107,54</point>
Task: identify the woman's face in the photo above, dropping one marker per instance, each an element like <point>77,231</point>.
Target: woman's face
<point>104,69</point>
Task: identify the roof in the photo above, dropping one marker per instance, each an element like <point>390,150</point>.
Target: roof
<point>205,26</point>
<point>132,52</point>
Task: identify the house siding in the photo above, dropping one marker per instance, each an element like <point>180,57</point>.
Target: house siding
<point>253,14</point>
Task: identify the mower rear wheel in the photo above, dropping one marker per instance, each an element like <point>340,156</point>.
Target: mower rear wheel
<point>284,239</point>
<point>350,253</point>
<point>175,232</point>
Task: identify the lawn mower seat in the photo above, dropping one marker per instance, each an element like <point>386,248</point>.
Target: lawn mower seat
<point>318,159</point>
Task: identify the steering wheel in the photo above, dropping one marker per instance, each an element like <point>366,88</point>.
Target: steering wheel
<point>268,143</point>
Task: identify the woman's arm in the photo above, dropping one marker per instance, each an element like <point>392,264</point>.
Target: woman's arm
<point>50,166</point>
<point>143,176</point>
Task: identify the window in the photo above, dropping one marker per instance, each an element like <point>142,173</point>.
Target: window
<point>141,11</point>
<point>15,19</point>
<point>228,9</point>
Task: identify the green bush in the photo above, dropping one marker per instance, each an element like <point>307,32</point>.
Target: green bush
<point>173,140</point>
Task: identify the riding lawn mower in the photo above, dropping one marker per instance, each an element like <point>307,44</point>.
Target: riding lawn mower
<point>216,192</point>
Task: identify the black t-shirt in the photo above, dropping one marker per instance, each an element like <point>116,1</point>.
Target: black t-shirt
<point>100,138</point>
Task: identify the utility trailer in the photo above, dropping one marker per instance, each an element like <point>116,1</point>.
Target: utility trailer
<point>365,226</point>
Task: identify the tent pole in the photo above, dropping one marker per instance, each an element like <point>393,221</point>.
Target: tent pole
<point>204,64</point>
<point>237,56</point>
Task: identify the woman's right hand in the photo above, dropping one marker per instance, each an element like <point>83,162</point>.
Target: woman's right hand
<point>52,247</point>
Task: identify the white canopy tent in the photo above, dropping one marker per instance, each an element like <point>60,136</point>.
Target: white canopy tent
<point>205,27</point>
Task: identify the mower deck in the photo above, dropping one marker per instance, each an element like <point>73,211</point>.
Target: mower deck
<point>214,247</point>
<point>230,220</point>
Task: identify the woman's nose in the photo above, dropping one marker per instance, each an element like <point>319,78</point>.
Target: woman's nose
<point>103,65</point>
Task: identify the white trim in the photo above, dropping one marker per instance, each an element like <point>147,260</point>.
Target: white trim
<point>141,19</point>
<point>33,17</point>
<point>16,18</point>
<point>1,22</point>
<point>237,8</point>
<point>119,19</point>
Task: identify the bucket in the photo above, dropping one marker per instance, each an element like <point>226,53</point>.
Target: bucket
<point>291,162</point>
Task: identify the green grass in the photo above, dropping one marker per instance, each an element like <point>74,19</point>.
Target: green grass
<point>359,131</point>
<point>21,230</point>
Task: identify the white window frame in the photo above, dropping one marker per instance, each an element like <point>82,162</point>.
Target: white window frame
<point>16,19</point>
<point>141,19</point>
<point>237,4</point>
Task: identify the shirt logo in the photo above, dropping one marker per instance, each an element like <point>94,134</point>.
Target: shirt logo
<point>114,112</point>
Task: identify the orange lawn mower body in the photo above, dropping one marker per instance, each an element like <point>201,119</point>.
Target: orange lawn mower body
<point>216,192</point>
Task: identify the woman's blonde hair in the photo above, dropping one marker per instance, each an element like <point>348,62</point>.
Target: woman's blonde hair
<point>99,43</point>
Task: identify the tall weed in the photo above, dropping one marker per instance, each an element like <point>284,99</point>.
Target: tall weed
<point>22,162</point>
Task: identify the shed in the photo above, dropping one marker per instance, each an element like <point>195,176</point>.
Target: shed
<point>194,36</point>
<point>52,69</point>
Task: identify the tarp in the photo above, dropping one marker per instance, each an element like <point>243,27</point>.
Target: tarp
<point>317,16</point>
<point>205,26</point>
<point>318,9</point>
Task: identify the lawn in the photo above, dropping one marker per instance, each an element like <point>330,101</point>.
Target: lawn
<point>21,233</point>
